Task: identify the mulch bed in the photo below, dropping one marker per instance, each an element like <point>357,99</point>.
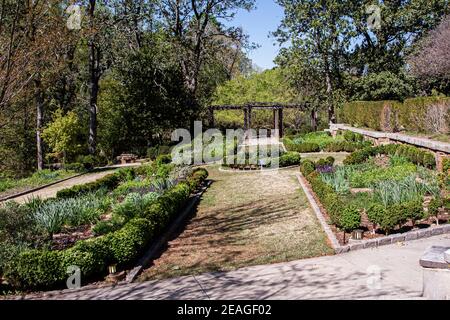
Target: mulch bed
<point>71,236</point>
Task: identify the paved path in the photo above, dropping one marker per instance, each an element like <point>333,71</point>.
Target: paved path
<point>51,191</point>
<point>334,277</point>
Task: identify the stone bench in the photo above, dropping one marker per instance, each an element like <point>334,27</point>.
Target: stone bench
<point>436,273</point>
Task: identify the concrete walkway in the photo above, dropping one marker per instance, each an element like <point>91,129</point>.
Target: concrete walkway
<point>52,190</point>
<point>346,276</point>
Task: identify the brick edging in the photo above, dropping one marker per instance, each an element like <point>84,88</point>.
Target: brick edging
<point>371,243</point>
<point>333,240</point>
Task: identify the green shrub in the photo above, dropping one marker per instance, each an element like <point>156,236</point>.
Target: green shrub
<point>108,182</point>
<point>414,210</point>
<point>76,167</point>
<point>434,206</point>
<point>164,159</point>
<point>376,213</point>
<point>88,161</point>
<point>307,167</point>
<point>412,114</point>
<point>329,161</point>
<point>34,269</point>
<point>290,159</point>
<point>154,152</point>
<point>446,165</point>
<point>350,219</point>
<point>127,243</point>
<point>351,136</point>
<point>377,115</point>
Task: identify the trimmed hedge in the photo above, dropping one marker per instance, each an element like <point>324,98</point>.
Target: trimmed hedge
<point>109,182</point>
<point>417,114</point>
<point>413,154</point>
<point>39,269</point>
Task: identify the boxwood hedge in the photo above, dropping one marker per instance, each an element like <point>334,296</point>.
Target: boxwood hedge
<point>42,269</point>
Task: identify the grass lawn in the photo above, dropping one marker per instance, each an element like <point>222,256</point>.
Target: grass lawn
<point>244,219</point>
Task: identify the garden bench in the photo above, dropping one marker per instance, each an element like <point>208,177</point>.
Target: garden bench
<point>127,158</point>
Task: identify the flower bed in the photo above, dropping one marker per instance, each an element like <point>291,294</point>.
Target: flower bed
<point>382,192</point>
<point>323,141</point>
<point>121,225</point>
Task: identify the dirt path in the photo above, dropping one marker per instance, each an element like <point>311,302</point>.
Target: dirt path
<point>244,219</point>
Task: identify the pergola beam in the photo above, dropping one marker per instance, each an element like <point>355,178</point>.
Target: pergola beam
<point>247,108</point>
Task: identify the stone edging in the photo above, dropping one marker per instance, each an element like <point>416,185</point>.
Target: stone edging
<point>23,193</point>
<point>162,240</point>
<point>334,242</point>
<point>372,243</point>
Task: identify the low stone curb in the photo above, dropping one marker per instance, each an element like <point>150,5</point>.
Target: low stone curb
<point>23,193</point>
<point>164,238</point>
<point>333,240</point>
<point>372,243</point>
<point>395,238</point>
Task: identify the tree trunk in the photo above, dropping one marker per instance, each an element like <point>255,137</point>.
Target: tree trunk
<point>314,119</point>
<point>331,114</point>
<point>93,115</point>
<point>39,100</point>
<point>94,64</point>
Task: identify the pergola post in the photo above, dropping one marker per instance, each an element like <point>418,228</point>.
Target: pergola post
<point>249,115</point>
<point>211,118</point>
<point>276,121</point>
<point>280,123</point>
<point>245,119</point>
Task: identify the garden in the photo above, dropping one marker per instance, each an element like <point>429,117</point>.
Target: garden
<point>380,190</point>
<point>105,223</point>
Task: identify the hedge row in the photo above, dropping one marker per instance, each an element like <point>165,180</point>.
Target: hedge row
<point>348,218</point>
<point>39,269</point>
<point>423,114</point>
<point>108,182</point>
<point>413,154</point>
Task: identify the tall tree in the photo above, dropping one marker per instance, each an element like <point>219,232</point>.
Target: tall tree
<point>197,32</point>
<point>384,46</point>
<point>320,32</point>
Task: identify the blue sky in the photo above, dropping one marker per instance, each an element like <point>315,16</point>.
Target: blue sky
<point>258,24</point>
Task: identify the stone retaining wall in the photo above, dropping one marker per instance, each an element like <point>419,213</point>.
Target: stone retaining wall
<point>440,149</point>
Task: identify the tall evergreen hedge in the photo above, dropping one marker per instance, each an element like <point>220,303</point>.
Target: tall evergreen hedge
<point>417,114</point>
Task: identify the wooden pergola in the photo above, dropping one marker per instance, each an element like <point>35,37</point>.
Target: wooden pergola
<point>248,108</point>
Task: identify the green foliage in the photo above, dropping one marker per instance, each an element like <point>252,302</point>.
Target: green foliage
<point>163,159</point>
<point>108,182</point>
<point>38,269</point>
<point>376,213</point>
<point>423,114</point>
<point>413,154</point>
<point>290,159</point>
<point>381,86</point>
<point>307,167</point>
<point>154,152</point>
<point>37,179</point>
<point>434,206</point>
<point>61,134</point>
<point>86,209</point>
<point>350,219</point>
